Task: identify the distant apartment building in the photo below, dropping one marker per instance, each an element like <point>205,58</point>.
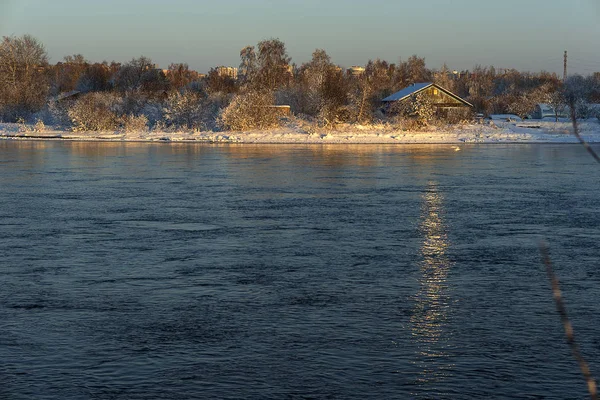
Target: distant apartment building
<point>194,75</point>
<point>356,70</point>
<point>231,72</point>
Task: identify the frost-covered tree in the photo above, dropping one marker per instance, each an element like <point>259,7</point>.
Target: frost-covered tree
<point>576,91</point>
<point>444,79</point>
<point>269,68</point>
<point>23,76</point>
<point>369,88</point>
<point>273,64</point>
<point>422,108</point>
<point>418,108</point>
<point>185,110</point>
<point>481,81</point>
<point>310,92</point>
<point>250,110</point>
<point>316,70</point>
<point>416,70</point>
<point>95,112</point>
<point>556,99</point>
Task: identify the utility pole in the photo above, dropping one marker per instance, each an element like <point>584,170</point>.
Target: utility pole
<point>565,70</point>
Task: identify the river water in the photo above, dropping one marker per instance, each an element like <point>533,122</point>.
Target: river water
<point>146,271</point>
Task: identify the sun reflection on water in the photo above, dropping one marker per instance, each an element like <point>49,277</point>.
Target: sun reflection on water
<point>432,302</point>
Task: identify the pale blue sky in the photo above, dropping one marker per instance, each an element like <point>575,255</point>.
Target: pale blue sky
<point>523,34</point>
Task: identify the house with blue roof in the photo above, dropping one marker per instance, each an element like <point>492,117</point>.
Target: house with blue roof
<point>440,98</point>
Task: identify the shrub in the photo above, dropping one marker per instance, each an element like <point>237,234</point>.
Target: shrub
<point>405,124</point>
<point>39,126</point>
<point>456,115</point>
<point>331,115</point>
<point>419,108</point>
<point>154,111</point>
<point>133,123</point>
<point>94,112</point>
<point>54,113</point>
<point>131,103</point>
<point>251,110</point>
<point>184,110</point>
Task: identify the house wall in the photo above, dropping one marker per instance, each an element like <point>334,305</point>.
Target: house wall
<point>441,99</point>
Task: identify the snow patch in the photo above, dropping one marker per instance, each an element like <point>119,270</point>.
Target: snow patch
<point>495,131</point>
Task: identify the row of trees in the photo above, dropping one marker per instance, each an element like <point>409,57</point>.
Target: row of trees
<point>136,93</point>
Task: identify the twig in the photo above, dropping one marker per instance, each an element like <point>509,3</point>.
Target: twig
<point>562,311</point>
<point>578,136</point>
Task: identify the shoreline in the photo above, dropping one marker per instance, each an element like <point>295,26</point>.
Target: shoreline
<point>534,132</point>
<point>311,143</point>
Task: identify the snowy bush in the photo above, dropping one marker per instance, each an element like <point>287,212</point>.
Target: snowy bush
<point>405,124</point>
<point>423,108</point>
<point>418,108</point>
<point>251,110</point>
<point>456,115</point>
<point>94,112</point>
<point>154,112</point>
<point>54,113</point>
<point>133,123</point>
<point>331,115</point>
<point>39,126</point>
<point>184,110</point>
<point>131,103</point>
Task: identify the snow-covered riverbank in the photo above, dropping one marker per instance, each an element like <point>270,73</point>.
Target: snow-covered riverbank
<point>530,131</point>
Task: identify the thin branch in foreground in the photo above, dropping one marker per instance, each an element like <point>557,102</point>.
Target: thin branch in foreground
<point>578,136</point>
<point>562,311</point>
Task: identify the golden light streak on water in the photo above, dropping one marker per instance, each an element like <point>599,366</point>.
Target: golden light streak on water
<point>432,302</point>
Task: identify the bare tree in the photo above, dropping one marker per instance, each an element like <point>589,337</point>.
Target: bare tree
<point>335,96</point>
<point>220,83</point>
<point>416,70</point>
<point>23,76</point>
<point>557,100</point>
<point>96,78</point>
<point>66,75</point>
<point>140,74</point>
<point>248,64</point>
<point>179,76</point>
<point>267,70</point>
<point>444,79</point>
<point>273,63</point>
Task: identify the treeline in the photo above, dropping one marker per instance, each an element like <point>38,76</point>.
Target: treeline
<point>136,96</point>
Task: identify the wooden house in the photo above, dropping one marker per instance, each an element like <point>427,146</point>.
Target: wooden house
<point>440,98</point>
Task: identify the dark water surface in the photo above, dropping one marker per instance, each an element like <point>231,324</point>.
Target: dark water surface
<point>147,271</point>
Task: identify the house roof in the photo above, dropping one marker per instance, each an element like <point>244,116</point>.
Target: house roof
<point>418,87</point>
<point>408,91</point>
<point>67,95</point>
